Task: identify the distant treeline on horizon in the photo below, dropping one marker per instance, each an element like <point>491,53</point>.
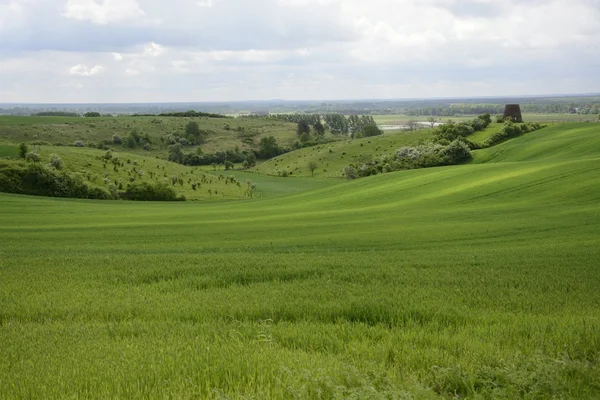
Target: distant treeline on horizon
<point>580,104</point>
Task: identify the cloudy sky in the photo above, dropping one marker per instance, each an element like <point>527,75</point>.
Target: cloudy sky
<point>217,50</point>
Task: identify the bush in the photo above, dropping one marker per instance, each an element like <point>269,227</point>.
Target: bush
<point>33,157</point>
<point>23,150</point>
<point>512,130</point>
<point>117,139</point>
<point>455,153</point>
<point>250,161</point>
<point>176,153</point>
<point>56,162</point>
<point>371,130</point>
<point>79,143</point>
<point>350,172</point>
<point>38,180</point>
<point>145,191</point>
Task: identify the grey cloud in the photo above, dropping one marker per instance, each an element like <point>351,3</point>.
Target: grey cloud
<point>471,8</point>
<point>228,25</point>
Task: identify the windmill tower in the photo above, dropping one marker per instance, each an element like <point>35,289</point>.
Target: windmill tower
<point>512,112</point>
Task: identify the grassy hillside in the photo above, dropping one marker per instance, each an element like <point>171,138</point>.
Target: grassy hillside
<point>555,143</point>
<point>481,136</point>
<point>8,150</point>
<point>94,168</point>
<point>223,133</point>
<point>472,281</point>
<point>331,158</point>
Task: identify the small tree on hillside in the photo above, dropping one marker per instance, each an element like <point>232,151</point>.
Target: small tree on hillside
<point>192,130</point>
<point>312,166</point>
<point>23,150</point>
<point>305,137</point>
<point>176,153</point>
<point>56,162</point>
<point>319,128</point>
<point>350,172</point>
<point>412,125</point>
<point>432,121</point>
<point>303,127</point>
<point>371,130</point>
<point>250,160</point>
<point>268,147</point>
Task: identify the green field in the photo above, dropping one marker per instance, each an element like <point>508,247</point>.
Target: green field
<point>8,150</point>
<point>471,281</point>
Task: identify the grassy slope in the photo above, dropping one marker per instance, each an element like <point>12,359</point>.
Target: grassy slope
<point>66,130</point>
<point>479,279</point>
<point>481,136</point>
<point>89,163</point>
<point>332,163</point>
<point>8,150</point>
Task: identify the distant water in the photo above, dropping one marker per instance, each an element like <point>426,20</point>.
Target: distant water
<point>405,127</point>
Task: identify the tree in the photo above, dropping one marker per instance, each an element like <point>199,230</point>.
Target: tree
<point>250,188</point>
<point>23,150</point>
<point>193,130</point>
<point>250,160</point>
<point>305,137</point>
<point>268,147</point>
<point>303,127</point>
<point>371,130</point>
<point>412,125</point>
<point>176,153</point>
<point>337,123</point>
<point>350,172</point>
<point>487,118</point>
<point>92,114</point>
<point>312,166</point>
<point>319,128</point>
<point>432,121</point>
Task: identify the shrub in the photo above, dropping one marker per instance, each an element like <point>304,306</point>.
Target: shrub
<point>371,130</point>
<point>38,180</point>
<point>117,139</point>
<point>33,157</point>
<point>79,143</point>
<point>23,150</point>
<point>350,172</point>
<point>512,130</point>
<point>455,153</point>
<point>145,191</point>
<point>250,160</point>
<point>56,162</point>
<point>176,153</point>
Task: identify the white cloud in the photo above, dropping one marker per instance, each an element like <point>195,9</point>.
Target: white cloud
<point>105,12</point>
<point>153,49</point>
<point>234,49</point>
<point>83,70</point>
<point>206,3</point>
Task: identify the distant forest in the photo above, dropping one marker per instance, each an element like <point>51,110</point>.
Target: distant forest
<point>589,104</point>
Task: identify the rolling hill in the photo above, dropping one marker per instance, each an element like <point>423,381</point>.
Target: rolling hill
<point>471,281</point>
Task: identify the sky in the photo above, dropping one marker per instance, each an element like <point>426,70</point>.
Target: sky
<point>54,51</point>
